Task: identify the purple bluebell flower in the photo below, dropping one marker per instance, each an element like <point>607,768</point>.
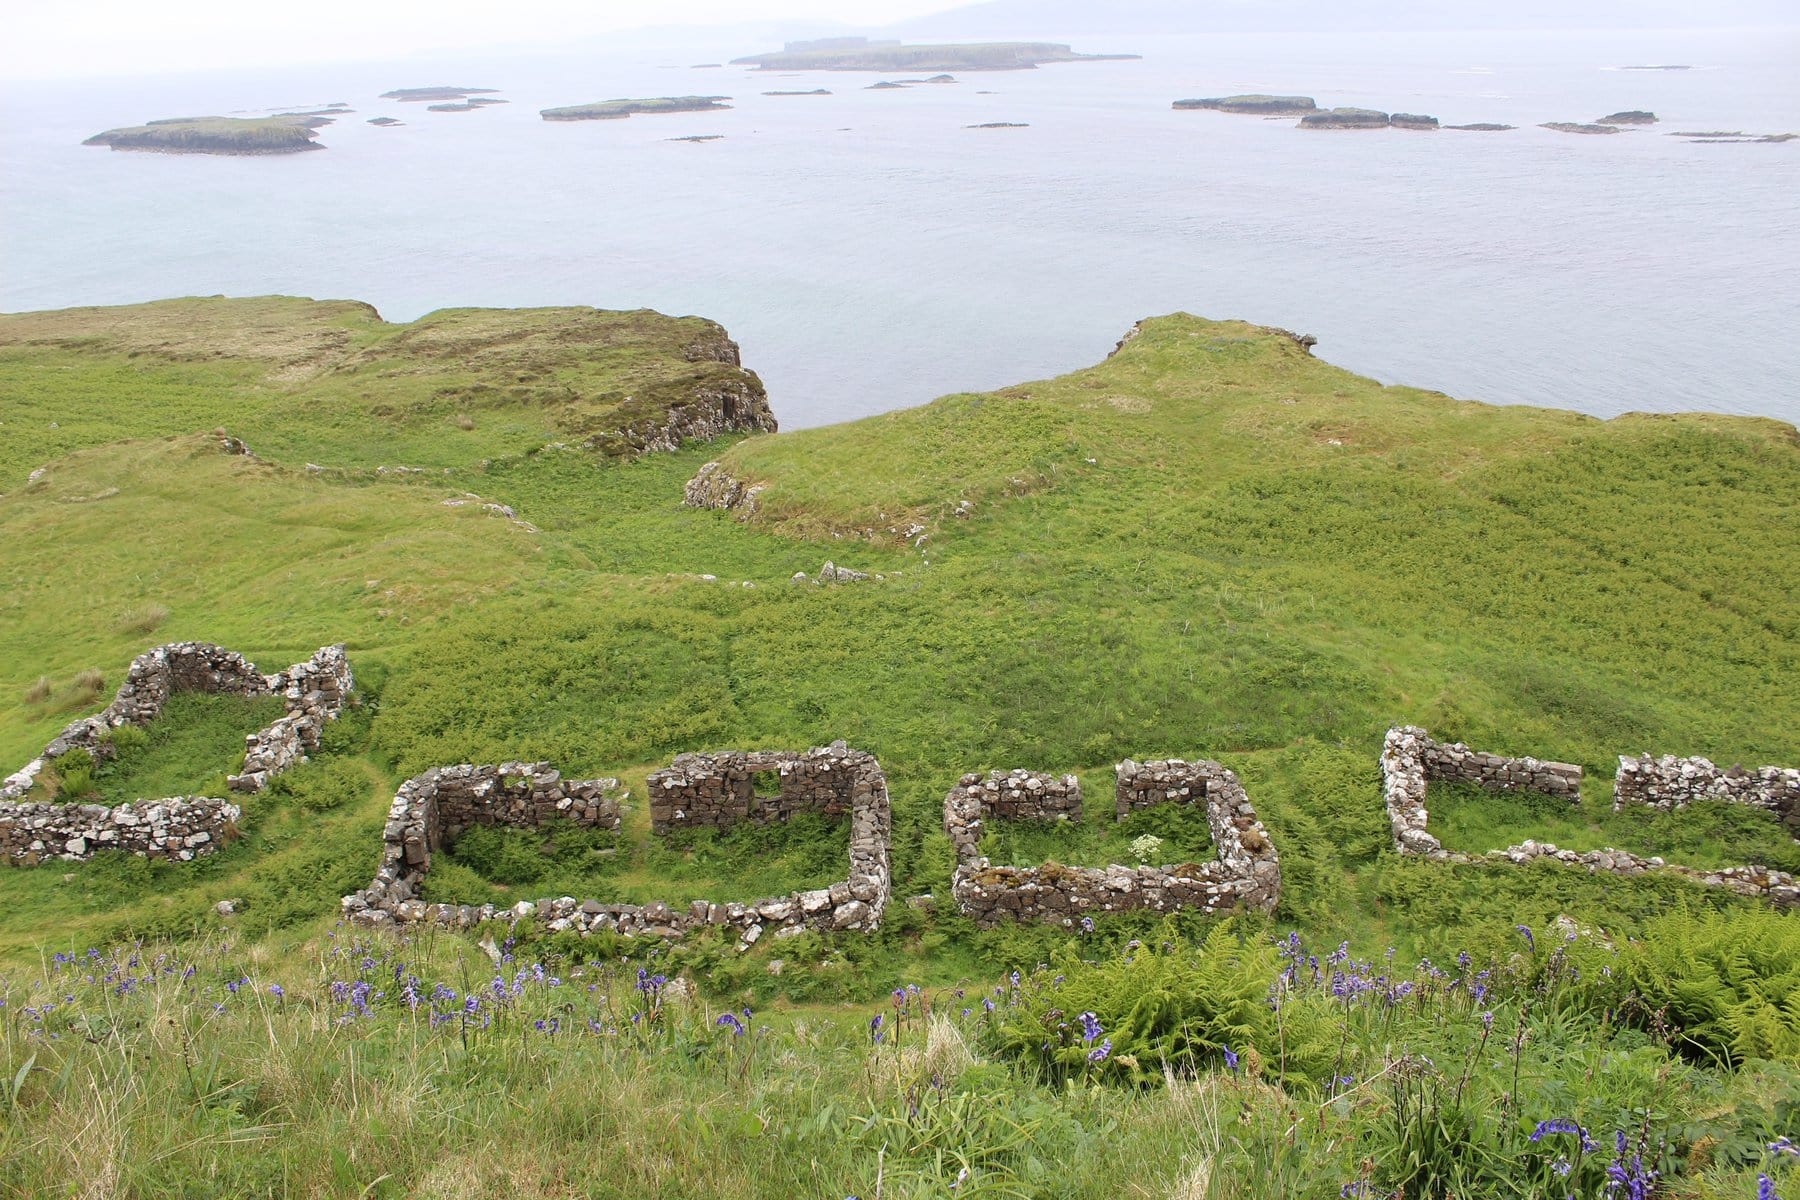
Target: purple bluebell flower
<point>1101,1053</point>
<point>275,991</point>
<point>1525,932</point>
<point>730,1021</point>
<point>1090,1027</point>
<point>1231,1058</point>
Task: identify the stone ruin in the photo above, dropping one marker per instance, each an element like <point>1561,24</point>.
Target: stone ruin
<point>1410,758</point>
<point>1245,874</point>
<point>698,791</point>
<point>180,827</point>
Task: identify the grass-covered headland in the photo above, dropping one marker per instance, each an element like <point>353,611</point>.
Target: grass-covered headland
<point>1210,545</point>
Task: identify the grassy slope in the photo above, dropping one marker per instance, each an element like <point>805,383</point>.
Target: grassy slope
<point>332,383</point>
<point>1268,561</point>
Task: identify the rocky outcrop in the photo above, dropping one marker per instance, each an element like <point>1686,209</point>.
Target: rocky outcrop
<point>1482,127</point>
<point>1246,873</point>
<point>713,487</point>
<point>698,790</point>
<point>711,409</point>
<point>1636,116</point>
<point>1255,105</point>
<point>1346,118</point>
<point>1413,121</point>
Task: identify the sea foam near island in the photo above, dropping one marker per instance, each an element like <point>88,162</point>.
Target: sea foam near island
<point>871,251</point>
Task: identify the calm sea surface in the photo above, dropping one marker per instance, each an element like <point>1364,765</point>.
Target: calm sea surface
<point>870,252</point>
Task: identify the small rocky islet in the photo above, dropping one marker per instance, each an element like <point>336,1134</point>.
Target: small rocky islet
<point>436,94</point>
<point>291,134</point>
<point>1310,114</point>
<point>866,54</point>
<point>615,110</point>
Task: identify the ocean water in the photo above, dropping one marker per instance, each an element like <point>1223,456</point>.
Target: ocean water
<point>870,252</point>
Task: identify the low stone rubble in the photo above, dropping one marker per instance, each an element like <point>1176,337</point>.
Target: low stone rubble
<point>1246,874</point>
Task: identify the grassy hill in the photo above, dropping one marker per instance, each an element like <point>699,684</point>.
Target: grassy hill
<point>1211,544</point>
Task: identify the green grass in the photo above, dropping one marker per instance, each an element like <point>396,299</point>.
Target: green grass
<point>1099,839</point>
<point>187,751</point>
<point>1210,545</point>
<point>494,865</point>
<point>1268,562</point>
<point>1707,834</point>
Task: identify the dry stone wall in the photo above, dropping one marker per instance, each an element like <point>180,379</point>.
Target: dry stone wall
<point>180,827</point>
<point>1669,782</point>
<point>1245,874</point>
<point>1410,759</point>
<point>698,790</point>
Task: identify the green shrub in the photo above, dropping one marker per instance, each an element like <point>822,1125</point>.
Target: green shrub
<point>1728,983</point>
<point>1165,1004</point>
<point>323,784</point>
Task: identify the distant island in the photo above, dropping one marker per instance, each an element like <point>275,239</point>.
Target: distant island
<point>1000,125</point>
<point>415,95</point>
<point>1310,114</point>
<point>465,105</point>
<point>863,54</point>
<point>1578,127</point>
<point>384,122</point>
<point>613,110</point>
<point>217,135</point>
<point>1636,116</point>
<point>1720,135</point>
<point>1483,127</point>
<point>814,92</point>
<point>1255,105</point>
<point>1346,118</point>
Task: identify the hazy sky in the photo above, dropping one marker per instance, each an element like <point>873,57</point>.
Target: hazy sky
<point>48,38</point>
